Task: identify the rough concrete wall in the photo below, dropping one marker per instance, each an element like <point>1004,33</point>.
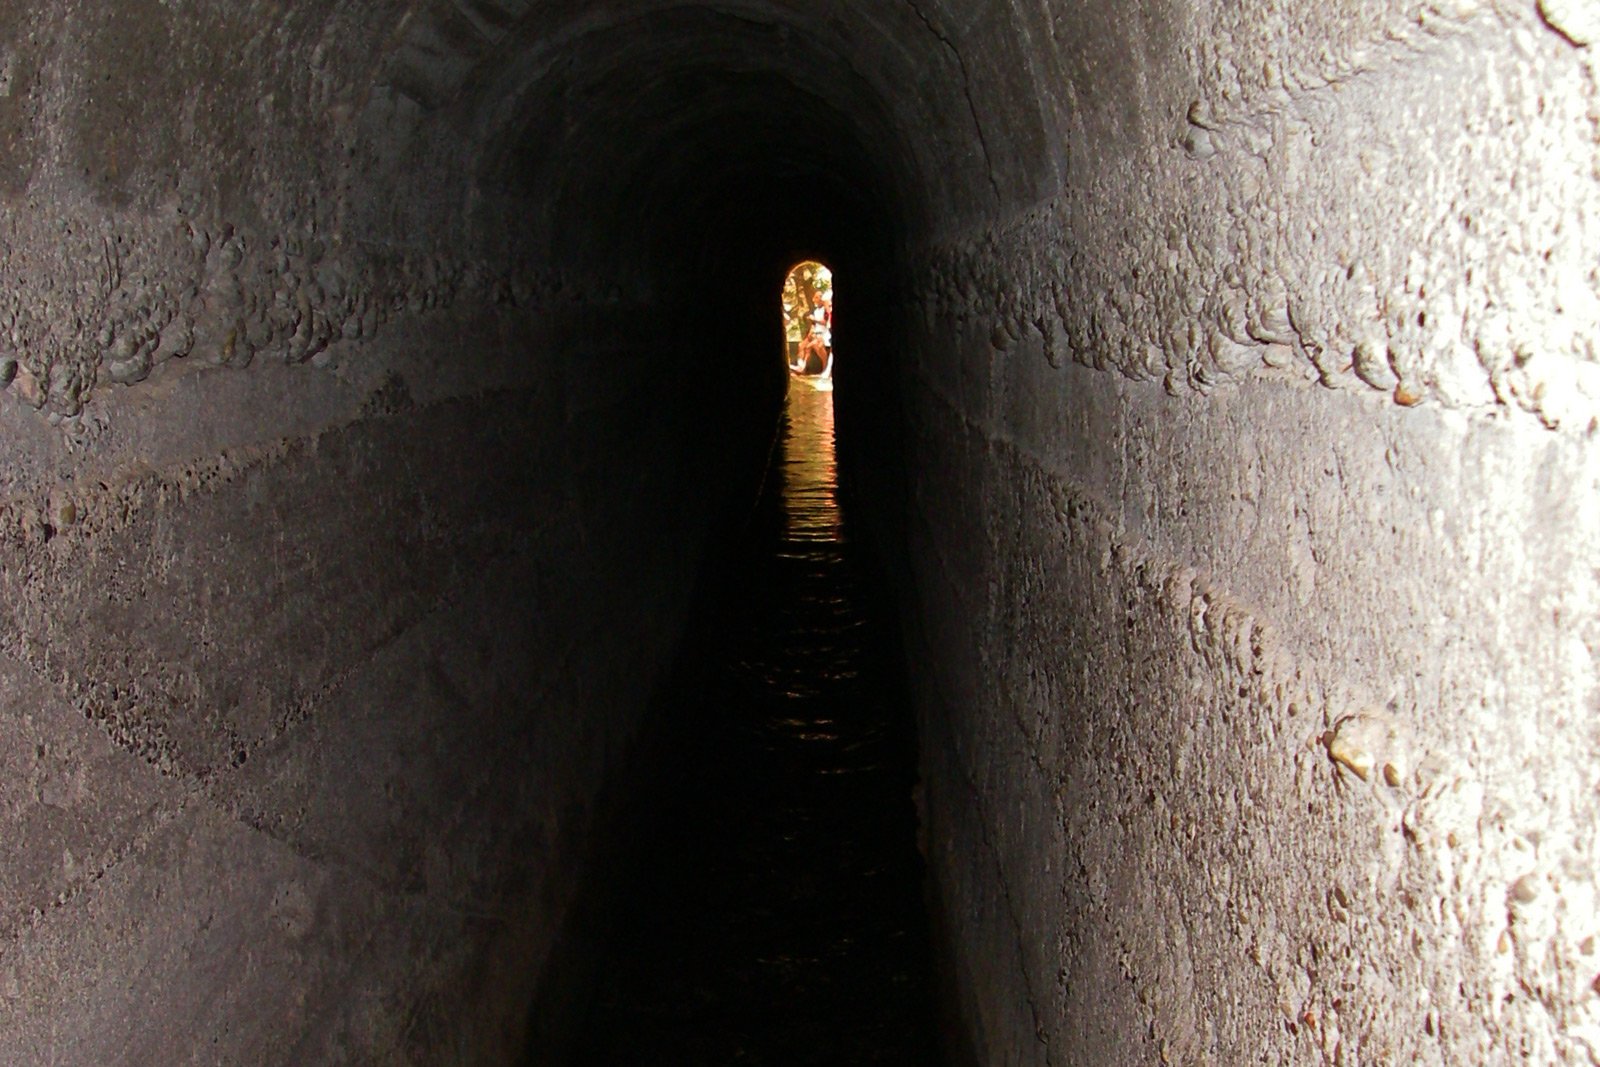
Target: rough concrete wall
<point>308,727</point>
<point>1252,406</point>
<point>1255,517</point>
<point>325,609</point>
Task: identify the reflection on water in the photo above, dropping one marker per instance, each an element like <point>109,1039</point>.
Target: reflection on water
<point>810,473</point>
<point>780,917</point>
<point>808,631</point>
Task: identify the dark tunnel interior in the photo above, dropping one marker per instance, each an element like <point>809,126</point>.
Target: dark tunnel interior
<point>696,155</point>
<point>385,383</point>
<point>700,175</point>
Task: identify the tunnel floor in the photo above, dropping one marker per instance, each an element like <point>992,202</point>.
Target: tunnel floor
<point>779,915</point>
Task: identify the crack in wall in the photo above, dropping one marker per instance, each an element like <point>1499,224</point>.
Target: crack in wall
<point>966,91</point>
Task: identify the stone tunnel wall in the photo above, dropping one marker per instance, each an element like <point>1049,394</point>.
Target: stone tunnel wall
<point>1249,395</point>
<point>324,608</point>
<point>1255,519</point>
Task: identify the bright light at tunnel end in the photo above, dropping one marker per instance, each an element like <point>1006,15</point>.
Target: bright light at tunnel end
<point>807,304</point>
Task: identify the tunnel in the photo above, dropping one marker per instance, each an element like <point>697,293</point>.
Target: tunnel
<point>1219,391</point>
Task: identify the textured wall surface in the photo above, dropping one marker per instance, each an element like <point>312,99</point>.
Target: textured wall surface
<point>375,372</point>
<point>342,547</point>
<point>1256,511</point>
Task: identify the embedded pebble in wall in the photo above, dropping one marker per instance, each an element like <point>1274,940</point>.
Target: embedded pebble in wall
<point>1057,346</point>
<point>1150,365</point>
<point>1233,318</point>
<point>1001,338</point>
<point>64,389</point>
<point>1525,890</point>
<point>1576,20</point>
<point>1196,139</point>
<point>199,240</point>
<point>126,360</point>
<point>250,337</point>
<point>1493,343</point>
<point>1272,325</point>
<point>1329,359</point>
<point>1366,741</point>
<point>231,253</point>
<point>176,339</point>
<point>1409,394</point>
<point>1349,747</point>
<point>26,386</point>
<point>1231,359</point>
<point>128,371</point>
<point>1278,356</point>
<point>331,279</point>
<point>1371,362</point>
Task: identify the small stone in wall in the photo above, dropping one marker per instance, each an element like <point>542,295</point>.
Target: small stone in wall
<point>1278,356</point>
<point>1348,752</point>
<point>1371,362</point>
<point>27,387</point>
<point>1525,890</point>
<point>1001,339</point>
<point>1408,394</point>
<point>1197,141</point>
<point>1365,742</point>
<point>1576,20</point>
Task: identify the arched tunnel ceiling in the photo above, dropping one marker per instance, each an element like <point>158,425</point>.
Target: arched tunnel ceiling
<point>598,104</point>
<point>651,146</point>
<point>286,176</point>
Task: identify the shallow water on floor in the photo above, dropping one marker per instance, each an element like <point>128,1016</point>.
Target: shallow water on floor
<point>778,919</point>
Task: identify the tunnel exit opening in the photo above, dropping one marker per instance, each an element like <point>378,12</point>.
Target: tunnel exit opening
<point>808,322</point>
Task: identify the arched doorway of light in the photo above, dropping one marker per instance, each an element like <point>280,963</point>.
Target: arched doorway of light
<point>808,322</point>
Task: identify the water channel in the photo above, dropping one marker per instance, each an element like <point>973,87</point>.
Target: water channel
<point>779,919</point>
